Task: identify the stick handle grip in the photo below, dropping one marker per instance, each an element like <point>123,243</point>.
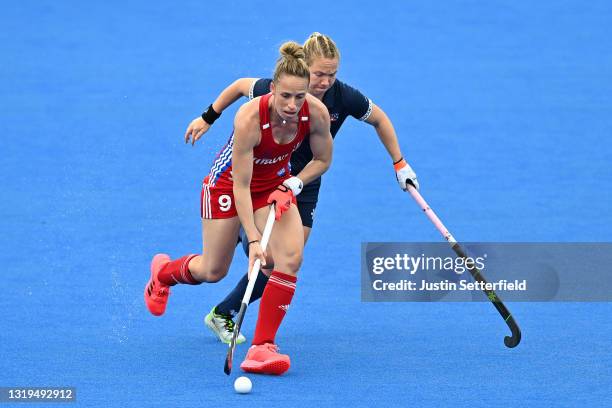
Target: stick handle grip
<point>431,214</point>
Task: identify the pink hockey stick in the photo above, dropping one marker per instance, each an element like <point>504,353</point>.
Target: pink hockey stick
<point>509,341</point>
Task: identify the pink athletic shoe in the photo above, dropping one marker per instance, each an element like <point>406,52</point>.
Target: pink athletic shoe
<point>156,293</point>
<point>265,359</point>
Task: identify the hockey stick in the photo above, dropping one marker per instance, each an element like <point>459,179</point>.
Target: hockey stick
<point>509,341</point>
<point>249,290</point>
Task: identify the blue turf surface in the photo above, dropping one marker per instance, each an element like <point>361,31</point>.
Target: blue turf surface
<point>503,108</point>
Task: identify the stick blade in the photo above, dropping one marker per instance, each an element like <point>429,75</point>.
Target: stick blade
<point>227,368</point>
<point>229,359</point>
<point>515,339</point>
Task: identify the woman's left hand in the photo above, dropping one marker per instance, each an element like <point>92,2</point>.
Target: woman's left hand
<point>256,252</point>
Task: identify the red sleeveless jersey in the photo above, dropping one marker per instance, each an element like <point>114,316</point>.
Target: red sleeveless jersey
<point>270,160</point>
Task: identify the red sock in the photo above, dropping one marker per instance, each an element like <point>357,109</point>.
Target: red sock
<point>274,304</point>
<point>177,271</point>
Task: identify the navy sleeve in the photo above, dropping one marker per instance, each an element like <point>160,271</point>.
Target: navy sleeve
<point>260,87</point>
<point>357,104</point>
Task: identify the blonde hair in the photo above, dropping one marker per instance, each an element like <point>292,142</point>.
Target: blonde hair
<point>320,46</point>
<point>291,61</point>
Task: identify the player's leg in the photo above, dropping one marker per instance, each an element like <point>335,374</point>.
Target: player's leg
<point>218,245</point>
<point>220,226</point>
<point>219,237</point>
<point>287,242</point>
<point>232,300</point>
<point>306,212</point>
<point>219,319</point>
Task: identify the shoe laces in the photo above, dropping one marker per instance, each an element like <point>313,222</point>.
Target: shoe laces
<point>228,323</point>
<point>272,347</point>
<point>163,291</point>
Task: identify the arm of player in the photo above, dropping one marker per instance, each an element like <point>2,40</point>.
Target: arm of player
<point>227,97</point>
<point>386,134</point>
<point>321,143</point>
<point>246,137</point>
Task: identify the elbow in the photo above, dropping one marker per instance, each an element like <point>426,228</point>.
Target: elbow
<point>242,86</point>
<point>240,191</point>
<point>327,164</point>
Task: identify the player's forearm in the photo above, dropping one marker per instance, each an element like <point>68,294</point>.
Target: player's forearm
<point>387,136</point>
<point>384,128</point>
<point>314,169</point>
<point>231,94</point>
<point>244,207</point>
<point>386,133</point>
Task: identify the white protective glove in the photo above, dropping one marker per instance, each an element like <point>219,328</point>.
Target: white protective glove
<point>405,174</point>
<point>294,184</point>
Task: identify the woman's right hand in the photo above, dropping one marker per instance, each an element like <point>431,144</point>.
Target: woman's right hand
<point>196,129</point>
<point>256,252</point>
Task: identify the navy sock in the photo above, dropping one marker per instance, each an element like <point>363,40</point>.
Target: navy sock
<point>231,304</point>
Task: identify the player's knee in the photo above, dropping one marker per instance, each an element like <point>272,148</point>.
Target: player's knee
<point>215,274</point>
<point>292,262</point>
<point>196,269</point>
<point>207,272</point>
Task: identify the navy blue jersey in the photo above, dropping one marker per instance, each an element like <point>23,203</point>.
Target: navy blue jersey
<point>341,101</point>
